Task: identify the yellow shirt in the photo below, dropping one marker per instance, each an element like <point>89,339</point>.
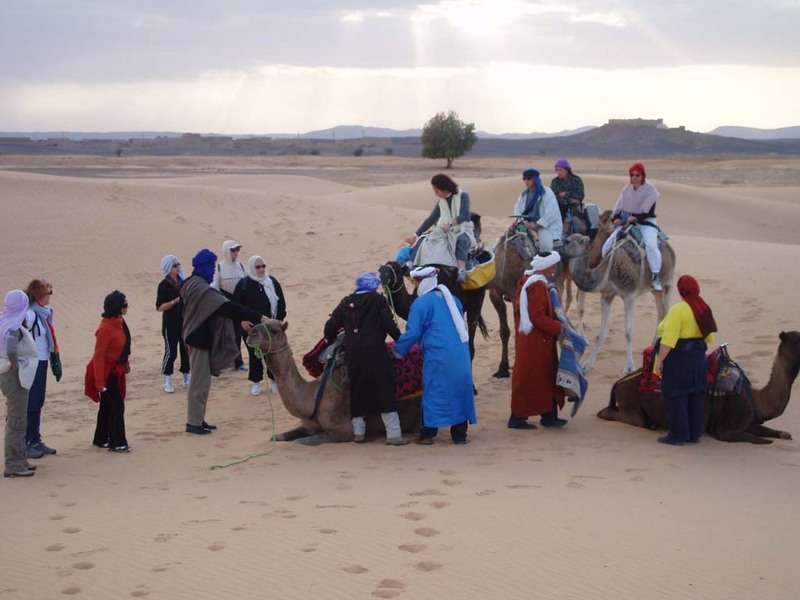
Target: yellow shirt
<point>680,324</point>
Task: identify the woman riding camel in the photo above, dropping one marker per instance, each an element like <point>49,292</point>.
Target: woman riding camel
<point>537,207</point>
<point>450,215</point>
<point>567,187</point>
<point>637,205</point>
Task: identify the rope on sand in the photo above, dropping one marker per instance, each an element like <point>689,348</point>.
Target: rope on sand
<point>260,355</point>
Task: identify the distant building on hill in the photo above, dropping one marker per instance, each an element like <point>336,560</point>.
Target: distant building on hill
<point>654,123</point>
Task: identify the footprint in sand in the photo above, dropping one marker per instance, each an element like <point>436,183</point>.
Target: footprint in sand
<point>69,504</point>
<point>451,482</point>
<point>413,516</point>
<point>84,565</point>
<point>427,492</point>
<point>326,530</point>
<point>55,547</point>
<point>71,590</point>
<point>308,549</point>
<point>523,486</point>
<point>439,504</point>
<point>575,485</point>
<point>164,537</point>
<point>355,569</point>
<point>216,547</point>
<point>58,517</point>
<point>485,493</point>
<point>426,531</point>
<point>71,529</point>
<point>428,566</point>
<point>408,504</point>
<point>139,593</point>
<point>412,548</point>
<point>637,478</point>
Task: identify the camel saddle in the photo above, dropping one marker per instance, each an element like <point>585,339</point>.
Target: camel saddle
<point>633,234</point>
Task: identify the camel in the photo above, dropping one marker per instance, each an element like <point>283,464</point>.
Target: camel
<point>330,421</point>
<point>615,275</point>
<point>728,418</point>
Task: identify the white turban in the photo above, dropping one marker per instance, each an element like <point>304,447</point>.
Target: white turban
<point>169,261</point>
<point>430,281</point>
<point>538,264</point>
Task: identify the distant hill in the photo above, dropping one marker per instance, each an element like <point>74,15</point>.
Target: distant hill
<point>632,140</point>
<point>353,132</point>
<point>534,135</point>
<point>753,133</point>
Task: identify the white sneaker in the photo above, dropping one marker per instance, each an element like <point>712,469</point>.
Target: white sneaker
<point>168,387</point>
<point>187,379</point>
<point>273,388</point>
<point>255,389</point>
<point>656,282</point>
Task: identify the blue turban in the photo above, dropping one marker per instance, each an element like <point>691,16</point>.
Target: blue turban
<point>530,174</point>
<point>204,263</point>
<point>367,282</point>
<point>532,206</point>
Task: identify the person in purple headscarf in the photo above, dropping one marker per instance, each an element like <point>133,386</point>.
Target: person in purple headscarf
<point>567,187</point>
<point>366,320</point>
<point>18,363</point>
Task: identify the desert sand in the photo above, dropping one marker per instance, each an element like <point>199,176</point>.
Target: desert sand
<point>596,510</point>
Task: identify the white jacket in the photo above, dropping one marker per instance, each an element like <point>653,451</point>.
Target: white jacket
<point>24,349</point>
<point>550,215</point>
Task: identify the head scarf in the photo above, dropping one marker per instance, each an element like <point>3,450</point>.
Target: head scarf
<point>14,311</point>
<point>227,246</point>
<point>203,264</point>
<point>689,290</point>
<point>429,281</point>
<point>266,282</point>
<point>563,163</point>
<point>113,304</point>
<point>638,168</point>
<point>534,196</point>
<point>169,261</point>
<point>367,282</point>
<point>539,263</point>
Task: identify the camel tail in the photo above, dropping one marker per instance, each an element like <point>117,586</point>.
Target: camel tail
<point>482,327</point>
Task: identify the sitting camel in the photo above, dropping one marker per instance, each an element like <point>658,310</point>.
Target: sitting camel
<point>328,420</point>
<point>617,274</point>
<point>729,418</point>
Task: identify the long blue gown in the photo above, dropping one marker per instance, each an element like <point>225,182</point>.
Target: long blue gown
<point>447,397</point>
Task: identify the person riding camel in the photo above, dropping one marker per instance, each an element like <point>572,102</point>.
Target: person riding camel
<point>537,207</point>
<point>567,187</point>
<point>637,205</point>
<point>450,216</point>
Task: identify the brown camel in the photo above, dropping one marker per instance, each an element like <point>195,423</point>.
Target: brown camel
<point>728,418</point>
<point>617,274</point>
<point>330,420</point>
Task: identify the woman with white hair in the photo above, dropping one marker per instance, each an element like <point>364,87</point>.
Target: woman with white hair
<point>261,292</point>
<point>18,364</point>
<point>168,303</point>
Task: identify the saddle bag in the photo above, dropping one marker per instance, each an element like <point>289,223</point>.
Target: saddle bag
<point>482,273</point>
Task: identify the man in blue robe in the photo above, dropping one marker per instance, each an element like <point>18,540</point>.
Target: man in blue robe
<point>436,322</point>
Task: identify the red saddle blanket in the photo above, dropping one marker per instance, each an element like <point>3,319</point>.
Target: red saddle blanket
<point>407,371</point>
<point>723,375</point>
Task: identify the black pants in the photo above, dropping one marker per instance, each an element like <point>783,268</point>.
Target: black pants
<point>686,415</point>
<point>256,368</point>
<point>457,432</point>
<point>239,335</point>
<point>111,417</point>
<point>173,346</point>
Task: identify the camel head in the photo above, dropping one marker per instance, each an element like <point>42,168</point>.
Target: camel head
<point>268,336</point>
<point>391,274</point>
<point>789,351</point>
<point>575,246</point>
<point>606,225</point>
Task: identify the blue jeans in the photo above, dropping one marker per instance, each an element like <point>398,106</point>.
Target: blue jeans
<point>35,404</point>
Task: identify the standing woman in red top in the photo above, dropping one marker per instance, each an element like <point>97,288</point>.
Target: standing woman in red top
<point>109,367</point>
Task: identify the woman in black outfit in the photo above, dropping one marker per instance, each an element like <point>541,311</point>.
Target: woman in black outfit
<point>261,292</point>
<point>168,303</point>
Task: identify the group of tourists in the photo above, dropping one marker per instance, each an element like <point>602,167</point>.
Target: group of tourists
<point>206,314</point>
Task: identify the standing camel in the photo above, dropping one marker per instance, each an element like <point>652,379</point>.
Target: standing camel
<point>617,274</point>
<point>730,418</point>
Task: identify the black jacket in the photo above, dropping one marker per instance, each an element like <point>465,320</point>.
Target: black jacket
<point>250,293</point>
<point>366,320</point>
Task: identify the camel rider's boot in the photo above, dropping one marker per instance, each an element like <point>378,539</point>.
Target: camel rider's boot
<point>655,282</point>
<point>394,435</point>
<point>359,429</point>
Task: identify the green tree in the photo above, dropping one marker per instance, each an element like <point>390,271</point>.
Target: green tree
<point>446,136</point>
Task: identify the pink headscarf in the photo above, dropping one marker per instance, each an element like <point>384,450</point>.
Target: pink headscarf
<point>16,307</point>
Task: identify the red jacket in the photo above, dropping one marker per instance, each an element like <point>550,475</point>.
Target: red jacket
<point>109,343</point>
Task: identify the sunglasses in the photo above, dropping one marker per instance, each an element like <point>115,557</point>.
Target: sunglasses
<point>636,174</point>
<point>125,305</point>
<point>261,266</point>
<point>235,249</point>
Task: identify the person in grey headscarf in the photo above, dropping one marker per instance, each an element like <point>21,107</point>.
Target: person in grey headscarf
<point>261,292</point>
<point>228,273</point>
<point>18,364</point>
<point>168,303</point>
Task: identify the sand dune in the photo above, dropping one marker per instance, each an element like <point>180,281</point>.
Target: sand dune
<point>598,510</point>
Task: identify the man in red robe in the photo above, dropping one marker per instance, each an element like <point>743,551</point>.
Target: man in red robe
<point>533,383</point>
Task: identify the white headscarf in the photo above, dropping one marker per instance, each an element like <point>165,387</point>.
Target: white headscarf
<point>429,282</point>
<point>16,307</point>
<point>168,262</point>
<point>265,281</point>
<point>538,264</point>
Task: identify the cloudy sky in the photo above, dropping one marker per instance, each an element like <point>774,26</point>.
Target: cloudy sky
<point>254,66</point>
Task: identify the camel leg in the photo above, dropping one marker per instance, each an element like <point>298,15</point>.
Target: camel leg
<point>630,309</point>
<point>768,432</point>
<point>568,287</point>
<point>505,333</point>
<point>742,436</point>
<point>605,312</point>
<point>293,434</point>
<point>581,298</point>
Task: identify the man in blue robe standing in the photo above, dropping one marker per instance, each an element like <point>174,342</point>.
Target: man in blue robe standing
<point>436,322</point>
